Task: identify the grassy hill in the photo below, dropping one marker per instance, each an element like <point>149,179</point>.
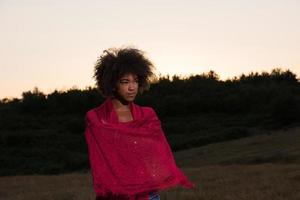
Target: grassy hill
<point>278,146</point>
<point>259,167</point>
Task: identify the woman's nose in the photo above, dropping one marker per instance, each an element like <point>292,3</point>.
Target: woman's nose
<point>132,86</point>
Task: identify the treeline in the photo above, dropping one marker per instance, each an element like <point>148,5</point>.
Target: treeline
<point>44,133</point>
<point>276,93</point>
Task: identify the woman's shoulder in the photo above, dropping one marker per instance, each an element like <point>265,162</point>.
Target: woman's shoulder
<point>148,111</point>
<point>92,115</point>
<point>92,112</point>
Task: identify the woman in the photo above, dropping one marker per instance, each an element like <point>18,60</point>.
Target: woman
<point>129,155</point>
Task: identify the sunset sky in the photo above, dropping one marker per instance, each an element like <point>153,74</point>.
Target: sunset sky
<point>54,44</point>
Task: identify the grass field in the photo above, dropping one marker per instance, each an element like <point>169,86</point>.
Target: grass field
<point>260,167</point>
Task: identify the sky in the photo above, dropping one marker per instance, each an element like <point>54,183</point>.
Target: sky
<point>54,44</point>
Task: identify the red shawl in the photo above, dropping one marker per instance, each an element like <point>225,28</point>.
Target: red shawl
<point>128,158</point>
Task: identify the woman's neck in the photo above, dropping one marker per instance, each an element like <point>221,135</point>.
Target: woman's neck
<point>120,104</point>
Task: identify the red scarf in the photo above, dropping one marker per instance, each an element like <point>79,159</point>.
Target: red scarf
<point>128,158</point>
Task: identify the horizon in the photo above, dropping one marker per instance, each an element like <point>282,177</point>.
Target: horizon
<point>65,89</point>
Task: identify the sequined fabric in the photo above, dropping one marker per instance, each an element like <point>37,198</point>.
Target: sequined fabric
<point>129,158</point>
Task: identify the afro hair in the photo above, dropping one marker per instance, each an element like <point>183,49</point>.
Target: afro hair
<point>116,62</point>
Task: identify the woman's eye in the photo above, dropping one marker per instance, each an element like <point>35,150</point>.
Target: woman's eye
<point>126,82</point>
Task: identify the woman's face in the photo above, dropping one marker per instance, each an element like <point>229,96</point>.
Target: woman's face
<point>127,87</point>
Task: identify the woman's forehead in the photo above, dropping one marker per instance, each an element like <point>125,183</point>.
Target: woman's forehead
<point>129,75</point>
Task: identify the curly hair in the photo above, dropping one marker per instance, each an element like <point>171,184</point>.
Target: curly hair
<point>114,63</point>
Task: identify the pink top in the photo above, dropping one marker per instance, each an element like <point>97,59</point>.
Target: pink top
<point>131,158</point>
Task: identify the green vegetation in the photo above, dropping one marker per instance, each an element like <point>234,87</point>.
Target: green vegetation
<point>43,134</point>
<point>274,146</point>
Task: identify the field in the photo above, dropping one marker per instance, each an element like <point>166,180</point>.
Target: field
<point>259,167</point>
